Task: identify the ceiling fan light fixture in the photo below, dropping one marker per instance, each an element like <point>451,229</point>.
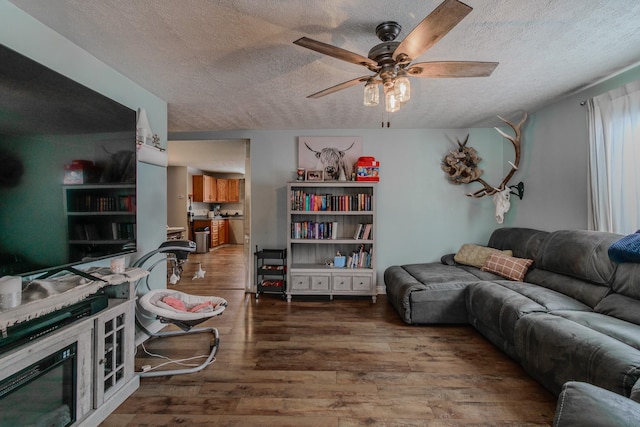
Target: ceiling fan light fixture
<point>402,88</point>
<point>371,93</point>
<point>391,102</point>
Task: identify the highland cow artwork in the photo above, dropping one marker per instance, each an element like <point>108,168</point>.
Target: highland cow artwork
<point>335,156</point>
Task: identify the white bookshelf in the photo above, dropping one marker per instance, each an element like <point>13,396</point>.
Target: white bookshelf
<point>322,219</point>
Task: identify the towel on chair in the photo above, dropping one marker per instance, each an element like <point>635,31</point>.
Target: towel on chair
<point>179,305</point>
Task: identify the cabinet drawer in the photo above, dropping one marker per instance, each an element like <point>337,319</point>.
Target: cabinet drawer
<point>309,283</point>
<point>341,283</point>
<point>300,283</point>
<point>361,283</point>
<point>319,283</point>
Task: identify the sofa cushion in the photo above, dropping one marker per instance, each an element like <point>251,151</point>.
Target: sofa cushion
<point>432,283</point>
<point>561,346</point>
<point>620,307</point>
<point>583,291</point>
<point>524,242</point>
<point>495,307</point>
<point>581,404</point>
<point>509,267</point>
<point>578,253</point>
<point>475,255</point>
<point>627,280</point>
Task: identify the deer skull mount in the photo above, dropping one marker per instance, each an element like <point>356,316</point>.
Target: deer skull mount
<point>462,167</point>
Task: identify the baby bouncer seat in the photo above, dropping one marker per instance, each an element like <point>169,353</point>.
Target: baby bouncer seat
<point>178,308</point>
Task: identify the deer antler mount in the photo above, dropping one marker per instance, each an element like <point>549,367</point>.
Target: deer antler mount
<point>461,166</point>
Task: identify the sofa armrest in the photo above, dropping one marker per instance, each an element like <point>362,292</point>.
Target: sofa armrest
<point>582,404</point>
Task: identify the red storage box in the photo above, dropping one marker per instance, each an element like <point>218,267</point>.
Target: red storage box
<point>80,172</point>
<point>367,169</point>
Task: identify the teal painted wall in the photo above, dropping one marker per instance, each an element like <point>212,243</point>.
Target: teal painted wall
<point>555,165</point>
<point>421,216</point>
<point>22,33</point>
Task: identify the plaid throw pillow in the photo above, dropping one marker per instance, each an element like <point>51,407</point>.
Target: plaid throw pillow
<point>507,266</point>
<point>475,255</point>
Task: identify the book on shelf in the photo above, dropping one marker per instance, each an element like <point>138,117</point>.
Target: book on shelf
<point>366,233</point>
<point>363,231</point>
<point>358,232</point>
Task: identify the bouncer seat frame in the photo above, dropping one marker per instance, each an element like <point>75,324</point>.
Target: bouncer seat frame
<point>165,314</point>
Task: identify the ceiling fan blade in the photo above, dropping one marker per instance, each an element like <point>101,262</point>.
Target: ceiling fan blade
<point>432,28</point>
<point>340,86</point>
<point>452,69</point>
<point>337,52</point>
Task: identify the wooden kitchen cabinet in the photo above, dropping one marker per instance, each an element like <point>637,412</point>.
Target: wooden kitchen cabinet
<point>204,188</point>
<point>209,189</point>
<point>233,190</point>
<point>222,189</point>
<point>223,231</point>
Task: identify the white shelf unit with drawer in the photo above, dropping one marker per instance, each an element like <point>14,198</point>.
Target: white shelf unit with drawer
<point>323,218</point>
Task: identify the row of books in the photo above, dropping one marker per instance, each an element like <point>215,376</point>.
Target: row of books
<point>326,230</point>
<point>301,201</point>
<point>93,203</point>
<point>360,258</point>
<point>314,230</point>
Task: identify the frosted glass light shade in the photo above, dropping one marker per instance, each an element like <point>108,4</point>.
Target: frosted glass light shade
<point>391,102</point>
<point>371,94</point>
<point>402,89</point>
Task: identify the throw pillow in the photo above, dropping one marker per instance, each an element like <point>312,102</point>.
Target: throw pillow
<point>507,266</point>
<point>626,249</point>
<point>475,255</point>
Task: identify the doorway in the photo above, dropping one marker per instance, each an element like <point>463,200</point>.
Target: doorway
<point>227,159</point>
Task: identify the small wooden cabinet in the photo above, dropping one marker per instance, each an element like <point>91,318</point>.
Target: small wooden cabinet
<point>222,188</point>
<point>223,231</point>
<point>204,188</point>
<point>233,191</point>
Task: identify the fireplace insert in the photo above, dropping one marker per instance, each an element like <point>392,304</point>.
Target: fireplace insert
<point>43,393</point>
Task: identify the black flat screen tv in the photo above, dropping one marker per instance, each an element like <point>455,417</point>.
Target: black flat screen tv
<point>53,131</point>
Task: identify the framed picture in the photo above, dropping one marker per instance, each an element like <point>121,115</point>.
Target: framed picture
<point>334,155</point>
<point>315,175</point>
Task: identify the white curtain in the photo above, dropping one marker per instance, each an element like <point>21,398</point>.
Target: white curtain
<point>614,160</point>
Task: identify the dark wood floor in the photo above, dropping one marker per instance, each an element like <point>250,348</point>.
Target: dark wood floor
<point>346,362</point>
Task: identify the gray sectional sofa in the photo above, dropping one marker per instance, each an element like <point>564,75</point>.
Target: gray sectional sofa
<point>574,319</point>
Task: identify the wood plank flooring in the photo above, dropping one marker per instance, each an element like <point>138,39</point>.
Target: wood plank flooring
<point>315,362</point>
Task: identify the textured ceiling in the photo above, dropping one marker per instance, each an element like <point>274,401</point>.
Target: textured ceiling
<point>232,64</point>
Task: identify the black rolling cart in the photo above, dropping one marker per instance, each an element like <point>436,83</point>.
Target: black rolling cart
<point>271,271</point>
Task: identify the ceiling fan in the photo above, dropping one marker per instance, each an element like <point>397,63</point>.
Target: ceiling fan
<point>391,60</point>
